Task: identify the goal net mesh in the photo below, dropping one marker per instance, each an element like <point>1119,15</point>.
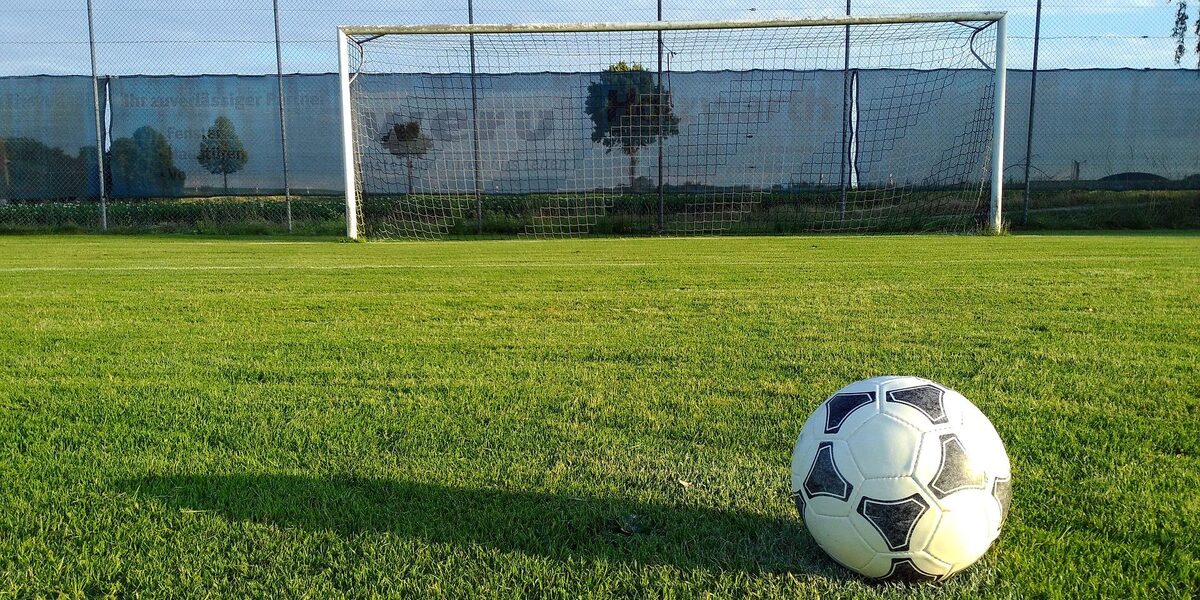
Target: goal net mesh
<point>740,130</point>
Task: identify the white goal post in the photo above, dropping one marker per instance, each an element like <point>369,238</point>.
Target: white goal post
<point>352,39</point>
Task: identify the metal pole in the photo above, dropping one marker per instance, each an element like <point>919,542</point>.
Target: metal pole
<point>99,120</point>
<point>475,123</point>
<point>287,189</point>
<point>347,136</point>
<point>843,176</point>
<point>996,217</point>
<point>1037,38</point>
<point>662,211</point>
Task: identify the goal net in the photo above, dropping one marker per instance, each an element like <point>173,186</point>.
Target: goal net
<point>840,125</point>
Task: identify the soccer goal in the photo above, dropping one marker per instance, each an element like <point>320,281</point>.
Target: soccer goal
<point>883,123</point>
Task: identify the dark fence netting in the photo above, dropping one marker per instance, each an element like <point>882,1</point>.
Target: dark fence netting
<point>206,150</point>
<point>47,151</point>
<point>160,130</point>
<point>1111,148</point>
<point>203,153</point>
<point>314,122</point>
<point>1104,128</point>
<point>168,122</point>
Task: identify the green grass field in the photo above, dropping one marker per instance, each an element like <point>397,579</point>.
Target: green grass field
<point>571,419</point>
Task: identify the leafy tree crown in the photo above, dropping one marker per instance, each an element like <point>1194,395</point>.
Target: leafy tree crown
<point>143,165</point>
<point>221,151</point>
<point>629,111</point>
<point>1179,32</point>
<point>406,140</point>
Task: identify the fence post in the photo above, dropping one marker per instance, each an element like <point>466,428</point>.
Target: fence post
<point>843,176</point>
<point>475,123</point>
<point>99,120</point>
<point>662,210</point>
<point>287,189</point>
<point>1037,38</point>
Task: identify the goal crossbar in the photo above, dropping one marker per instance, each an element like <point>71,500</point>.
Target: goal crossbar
<point>669,25</point>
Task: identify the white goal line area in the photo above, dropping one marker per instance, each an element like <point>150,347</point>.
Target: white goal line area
<point>841,124</point>
<point>790,265</point>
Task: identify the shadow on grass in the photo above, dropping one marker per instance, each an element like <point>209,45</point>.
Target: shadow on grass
<point>554,526</point>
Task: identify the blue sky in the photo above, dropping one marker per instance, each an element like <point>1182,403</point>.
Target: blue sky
<point>236,36</point>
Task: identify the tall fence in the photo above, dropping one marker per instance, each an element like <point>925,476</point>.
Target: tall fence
<point>1112,112</point>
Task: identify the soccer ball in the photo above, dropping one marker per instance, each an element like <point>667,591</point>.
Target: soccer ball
<point>901,479</point>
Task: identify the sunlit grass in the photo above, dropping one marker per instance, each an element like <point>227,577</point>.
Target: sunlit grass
<point>215,417</point>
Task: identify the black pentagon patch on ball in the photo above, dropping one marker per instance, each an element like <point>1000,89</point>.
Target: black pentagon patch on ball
<point>798,497</point>
<point>841,405</point>
<point>925,398</point>
<point>905,570</point>
<point>1002,490</point>
<point>956,471</point>
<point>894,519</point>
<point>824,479</point>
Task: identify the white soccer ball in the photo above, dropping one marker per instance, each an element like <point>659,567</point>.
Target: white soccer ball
<point>899,478</point>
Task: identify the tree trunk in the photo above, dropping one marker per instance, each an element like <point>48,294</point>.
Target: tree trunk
<point>410,177</point>
<point>632,170</point>
<point>226,178</point>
